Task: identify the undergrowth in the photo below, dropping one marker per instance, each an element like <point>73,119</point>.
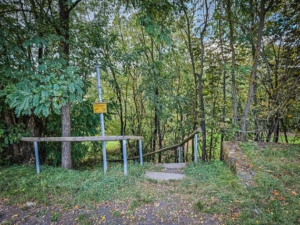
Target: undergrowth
<point>20,184</point>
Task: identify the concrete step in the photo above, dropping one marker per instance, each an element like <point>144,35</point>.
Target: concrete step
<point>164,176</point>
<point>172,171</point>
<point>174,165</point>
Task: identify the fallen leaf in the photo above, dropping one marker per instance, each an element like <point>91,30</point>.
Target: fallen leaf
<point>102,218</point>
<point>236,215</point>
<point>280,198</point>
<point>76,207</point>
<point>251,165</point>
<point>275,192</point>
<point>293,193</point>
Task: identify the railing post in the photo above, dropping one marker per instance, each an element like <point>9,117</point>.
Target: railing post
<point>101,119</point>
<point>196,148</point>
<point>37,160</point>
<point>124,157</point>
<point>179,154</point>
<point>141,152</point>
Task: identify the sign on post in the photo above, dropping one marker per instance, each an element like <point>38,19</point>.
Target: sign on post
<point>100,107</point>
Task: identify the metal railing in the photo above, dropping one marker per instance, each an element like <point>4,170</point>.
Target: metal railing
<point>193,135</point>
<point>179,146</point>
<point>35,140</point>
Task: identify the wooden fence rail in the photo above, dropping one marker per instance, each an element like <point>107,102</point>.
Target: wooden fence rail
<point>35,140</point>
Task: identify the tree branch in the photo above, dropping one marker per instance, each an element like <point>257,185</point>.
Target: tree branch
<point>73,5</point>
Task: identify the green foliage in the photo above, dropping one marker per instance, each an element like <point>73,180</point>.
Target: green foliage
<point>9,136</point>
<point>13,134</point>
<point>152,17</point>
<point>47,89</point>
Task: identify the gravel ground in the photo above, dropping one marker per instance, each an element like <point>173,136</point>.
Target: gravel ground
<point>158,212</point>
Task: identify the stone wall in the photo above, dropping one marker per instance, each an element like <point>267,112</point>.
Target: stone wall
<point>238,162</point>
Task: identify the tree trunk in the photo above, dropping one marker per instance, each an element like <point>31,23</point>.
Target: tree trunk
<point>276,129</point>
<point>223,91</point>
<point>192,59</point>
<point>200,82</point>
<point>66,161</point>
<point>284,131</point>
<point>255,111</point>
<point>119,97</point>
<point>262,14</point>
<point>201,97</point>
<point>63,30</point>
<point>232,69</point>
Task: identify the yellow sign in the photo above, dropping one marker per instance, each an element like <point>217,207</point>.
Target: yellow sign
<point>100,107</point>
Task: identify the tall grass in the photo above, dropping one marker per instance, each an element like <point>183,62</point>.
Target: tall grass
<point>21,183</point>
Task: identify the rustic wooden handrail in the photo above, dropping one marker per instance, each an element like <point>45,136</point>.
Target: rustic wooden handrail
<point>81,139</point>
<point>191,136</point>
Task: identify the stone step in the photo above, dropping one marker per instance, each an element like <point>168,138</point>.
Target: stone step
<point>164,176</point>
<point>174,165</point>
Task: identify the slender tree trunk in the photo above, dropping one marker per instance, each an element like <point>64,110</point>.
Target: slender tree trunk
<point>232,69</point>
<point>262,14</point>
<point>270,131</point>
<point>255,111</point>
<point>119,98</point>
<point>276,128</point>
<point>159,111</point>
<point>192,58</point>
<point>223,114</point>
<point>212,130</point>
<point>284,130</point>
<point>223,90</point>
<point>200,80</point>
<point>202,107</point>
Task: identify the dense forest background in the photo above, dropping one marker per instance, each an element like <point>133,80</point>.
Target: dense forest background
<point>168,67</point>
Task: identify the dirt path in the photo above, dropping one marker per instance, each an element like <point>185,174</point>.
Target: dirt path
<point>170,211</point>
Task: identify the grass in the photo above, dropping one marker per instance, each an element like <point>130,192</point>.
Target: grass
<point>275,196</point>
<point>209,188</point>
<point>21,184</point>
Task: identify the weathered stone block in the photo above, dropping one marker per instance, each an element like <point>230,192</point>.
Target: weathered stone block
<point>238,162</point>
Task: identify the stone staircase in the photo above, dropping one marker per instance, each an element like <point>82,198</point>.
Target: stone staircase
<point>171,171</point>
